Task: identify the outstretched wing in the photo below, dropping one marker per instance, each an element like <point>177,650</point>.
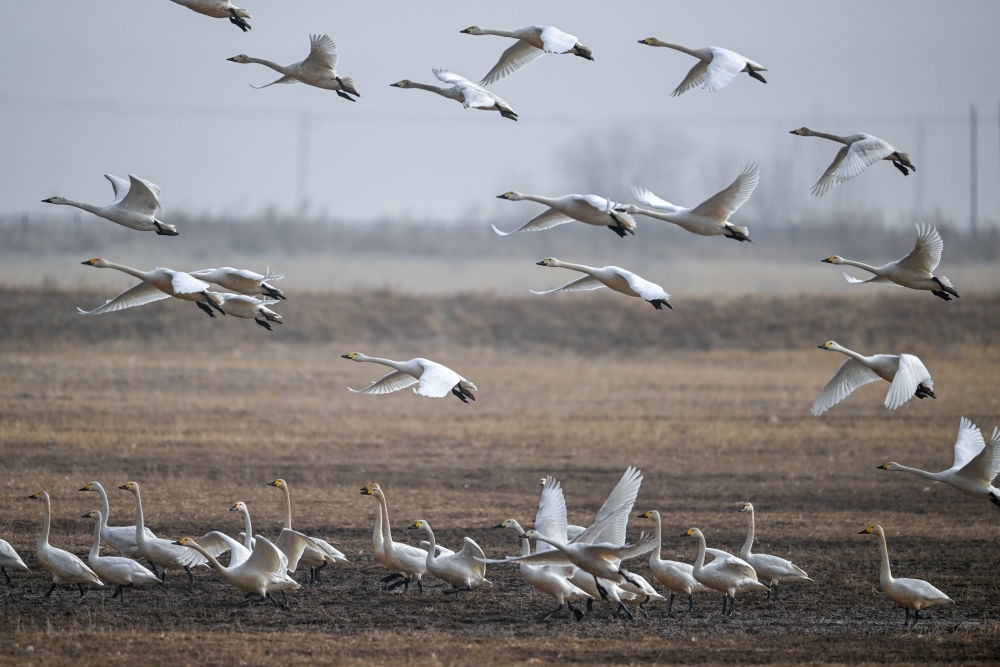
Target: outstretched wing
<point>547,220</point>
<point>582,284</point>
<point>437,380</point>
<point>910,374</point>
<point>516,57</point>
<point>926,254</point>
<point>851,375</point>
<point>141,197</point>
<point>723,204</point>
<point>968,444</point>
<point>137,295</point>
<point>322,53</point>
<point>388,383</point>
<point>723,68</point>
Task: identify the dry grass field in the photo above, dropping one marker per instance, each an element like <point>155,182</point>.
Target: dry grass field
<point>711,401</point>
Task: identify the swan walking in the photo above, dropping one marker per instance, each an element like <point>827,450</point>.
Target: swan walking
<point>260,574</point>
<point>433,380</point>
<point>318,69</point>
<point>532,42</point>
<point>120,538</point>
<point>118,570</point>
<point>313,552</point>
<point>220,9</point>
<point>906,374</point>
<point>462,90</point>
<point>463,569</point>
<point>162,553</point>
<point>915,594</point>
<point>406,562</point>
<point>136,205</point>
<point>976,463</point>
<point>915,271</point>
<point>591,209</point>
<point>860,151</point>
<point>65,568</point>
<point>709,218</point>
<point>772,570</point>
<point>159,283</point>
<point>251,308</point>
<point>716,67</point>
<point>10,558</point>
<point>726,573</point>
<point>677,576</point>
<point>618,279</point>
<point>243,281</point>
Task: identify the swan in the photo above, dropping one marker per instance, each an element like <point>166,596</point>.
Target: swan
<point>220,9</point>
<point>591,209</point>
<point>715,69</point>
<point>318,69</point>
<point>678,577</point>
<point>772,570</point>
<point>64,567</point>
<point>250,308</point>
<point>906,374</point>
<point>860,151</point>
<point>241,507</point>
<point>550,579</point>
<point>532,42</point>
<point>243,281</point>
<point>160,283</point>
<point>118,570</point>
<point>9,558</point>
<point>136,205</point>
<point>312,552</point>
<point>160,552</point>
<point>915,271</point>
<point>462,90</point>
<point>709,218</point>
<point>404,560</point>
<point>463,569</point>
<point>976,465</point>
<point>262,573</point>
<point>618,279</point>
<point>432,379</point>
<point>915,594</point>
<point>726,573</point>
<point>121,538</point>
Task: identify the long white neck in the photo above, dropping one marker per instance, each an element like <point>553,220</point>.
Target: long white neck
<point>288,507</point>
<point>861,265</point>
<point>851,353</point>
<point>678,47</point>
<point>95,547</point>
<point>267,63</point>
<point>105,506</point>
<point>450,93</point>
<point>885,575</point>
<point>748,543</point>
<point>384,518</point>
<point>140,524</point>
<point>539,198</point>
<point>141,275</point>
<point>223,571</point>
<point>826,135</point>
<point>525,542</point>
<point>699,561</point>
<point>90,208</point>
<point>378,534</point>
<point>666,214</point>
<point>582,268</point>
<point>498,33</point>
<point>43,538</point>
<point>432,549</point>
<point>247,528</point>
<point>916,471</point>
<point>658,533</point>
<point>378,360</point>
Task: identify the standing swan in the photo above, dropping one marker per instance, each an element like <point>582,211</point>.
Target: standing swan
<point>9,558</point>
<point>318,69</point>
<point>915,594</point>
<point>715,69</point>
<point>118,570</point>
<point>462,90</point>
<point>404,560</point>
<point>160,552</point>
<point>64,567</point>
<point>906,374</point>
<point>532,42</point>
<point>772,570</point>
<point>675,575</point>
<point>915,271</point>
<point>709,218</point>
<point>618,279</point>
<point>121,538</point>
<point>312,552</point>
<point>591,209</point>
<point>726,573</point>
<point>261,573</point>
<point>157,284</point>
<point>220,9</point>
<point>136,205</point>
<point>432,379</point>
<point>860,151</point>
<point>976,464</point>
<point>463,569</point>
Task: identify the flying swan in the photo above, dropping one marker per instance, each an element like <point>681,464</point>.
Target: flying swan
<point>159,283</point>
<point>318,69</point>
<point>220,9</point>
<point>618,279</point>
<point>591,209</point>
<point>532,42</point>
<point>715,69</point>
<point>462,90</point>
<point>243,281</point>
<point>136,205</point>
<point>860,151</point>
<point>432,379</point>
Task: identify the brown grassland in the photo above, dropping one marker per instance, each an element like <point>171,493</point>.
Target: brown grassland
<point>711,401</point>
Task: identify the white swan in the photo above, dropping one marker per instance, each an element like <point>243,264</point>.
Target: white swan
<point>10,558</point>
<point>915,271</point>
<point>906,374</point>
<point>715,69</point>
<point>162,553</point>
<point>261,574</point>
<point>404,560</point>
<point>709,218</point>
<point>618,279</point>
<point>462,90</point>
<point>243,281</point>
<point>250,308</point>
<point>241,507</point>
<point>160,283</point>
<point>677,576</point>
<point>915,594</point>
<point>772,570</point>
<point>976,464</point>
<point>136,205</point>
<point>318,69</point>
<point>463,569</point>
<point>313,552</point>
<point>860,151</point>
<point>726,573</point>
<point>532,42</point>
<point>121,538</point>
<point>220,9</point>
<point>64,567</point>
<point>118,570</point>
<point>432,379</point>
<point>590,209</point>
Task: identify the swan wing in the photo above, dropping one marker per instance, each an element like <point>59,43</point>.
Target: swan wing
<point>725,203</point>
<point>581,284</point>
<point>266,556</point>
<point>388,383</point>
<point>185,283</point>
<point>550,518</point>
<point>473,95</point>
<point>140,197</point>
<point>471,554</point>
<point>968,444</point>
<point>437,380</point>
<point>555,40</point>
<point>851,375</point>
<point>547,220</point>
<point>926,254</point>
<point>985,466</point>
<point>217,543</point>
<point>514,58</point>
<point>613,520</point>
<point>322,53</point>
<point>119,185</point>
<point>695,77</point>
<point>137,295</point>
<point>284,79</point>
<point>909,374</point>
<point>648,198</point>
<point>645,289</point>
<point>723,68</point>
<point>853,159</point>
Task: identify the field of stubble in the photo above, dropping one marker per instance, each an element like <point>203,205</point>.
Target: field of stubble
<point>711,401</point>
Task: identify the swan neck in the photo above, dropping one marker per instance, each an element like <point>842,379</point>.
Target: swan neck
<point>861,265</point>
<point>827,135</point>
<point>915,471</point>
<point>385,362</point>
<point>267,63</point>
<point>288,508</point>
<point>95,546</point>
<point>678,47</point>
<point>582,268</point>
<point>43,538</point>
<point>432,88</point>
<point>90,208</point>
<point>699,561</point>
<point>383,518</point>
<point>248,529</point>
<point>658,533</point>
<point>850,353</point>
<point>141,275</point>
<point>885,575</point>
<point>216,565</point>
<point>140,524</point>
<point>105,508</point>
<point>748,543</point>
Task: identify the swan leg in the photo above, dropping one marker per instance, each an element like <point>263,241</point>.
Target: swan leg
<point>545,616</point>
<point>463,394</point>
<point>190,576</point>
<point>590,605</point>
<point>49,592</point>
<point>902,167</point>
<point>237,20</point>
<point>924,391</point>
<point>82,589</point>
<point>119,591</point>
<point>263,323</point>
<point>993,499</point>
<point>314,573</point>
<point>670,603</point>
<point>690,601</point>
<point>618,229</point>
<point>576,612</point>
<point>642,606</point>
<point>623,608</point>
<point>163,231</point>
<point>7,576</point>
<point>600,589</point>
<point>205,308</point>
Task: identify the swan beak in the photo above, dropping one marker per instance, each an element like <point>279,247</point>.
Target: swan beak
<point>499,525</point>
<point>233,59</point>
<point>822,347</point>
<point>884,466</point>
<point>345,356</point>
<point>827,260</point>
<point>524,536</point>
<point>48,201</point>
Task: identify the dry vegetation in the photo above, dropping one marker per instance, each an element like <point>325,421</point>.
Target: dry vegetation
<point>710,401</point>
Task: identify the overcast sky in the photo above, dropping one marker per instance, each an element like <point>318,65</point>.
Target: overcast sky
<point>143,86</point>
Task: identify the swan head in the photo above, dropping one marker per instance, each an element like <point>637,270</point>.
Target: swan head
<point>650,41</point>
<point>43,495</point>
<point>238,506</point>
<point>691,532</point>
<point>92,486</point>
<point>132,487</point>
<point>420,524</point>
<point>99,262</point>
<point>241,58</point>
<point>354,356</point>
<point>828,345</point>
<point>548,261</point>
<point>472,30</point>
<point>802,132</point>
<point>746,507</point>
<point>511,195</point>
<point>371,489</point>
<point>55,200</point>
<point>833,259</point>
<point>92,514</point>
<point>873,529</point>
<point>185,542</point>
<point>279,483</point>
<point>649,514</point>
<point>891,465</point>
<point>405,83</point>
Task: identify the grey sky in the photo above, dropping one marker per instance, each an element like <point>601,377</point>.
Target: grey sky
<point>144,87</point>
